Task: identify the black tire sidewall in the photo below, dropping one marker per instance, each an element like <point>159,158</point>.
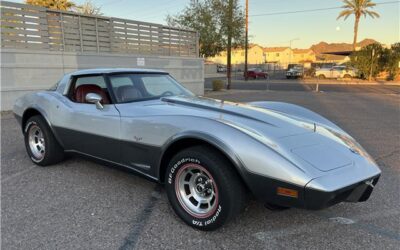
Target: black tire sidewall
<point>222,211</point>
<point>53,152</point>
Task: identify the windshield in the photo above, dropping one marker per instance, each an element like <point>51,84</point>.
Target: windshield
<point>136,87</point>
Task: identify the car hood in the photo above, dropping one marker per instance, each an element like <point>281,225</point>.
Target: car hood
<point>289,135</point>
<point>258,120</point>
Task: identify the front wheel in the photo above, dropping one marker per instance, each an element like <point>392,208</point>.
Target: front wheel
<point>40,143</point>
<point>203,188</point>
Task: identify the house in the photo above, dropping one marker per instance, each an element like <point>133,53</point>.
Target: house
<point>303,56</point>
<point>255,56</point>
<point>280,56</point>
<point>273,57</point>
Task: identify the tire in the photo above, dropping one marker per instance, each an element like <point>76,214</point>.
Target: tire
<point>225,192</point>
<point>347,76</point>
<point>40,143</point>
<point>321,76</point>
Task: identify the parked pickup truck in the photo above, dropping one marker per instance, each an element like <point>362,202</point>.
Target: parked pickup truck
<point>336,72</point>
<point>295,72</point>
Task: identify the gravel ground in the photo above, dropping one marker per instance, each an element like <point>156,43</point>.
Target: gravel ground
<point>80,204</point>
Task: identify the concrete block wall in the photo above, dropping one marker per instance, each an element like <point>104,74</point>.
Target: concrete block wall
<point>24,71</point>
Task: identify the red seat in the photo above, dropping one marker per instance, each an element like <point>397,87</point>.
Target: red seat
<point>83,90</point>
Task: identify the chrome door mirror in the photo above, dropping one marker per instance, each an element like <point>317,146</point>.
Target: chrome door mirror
<point>94,98</point>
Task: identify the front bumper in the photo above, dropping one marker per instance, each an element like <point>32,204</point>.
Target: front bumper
<point>265,190</point>
<point>294,74</point>
<point>358,192</point>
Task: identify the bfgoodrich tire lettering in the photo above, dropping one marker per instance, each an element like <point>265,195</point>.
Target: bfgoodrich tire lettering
<point>40,143</point>
<point>212,192</point>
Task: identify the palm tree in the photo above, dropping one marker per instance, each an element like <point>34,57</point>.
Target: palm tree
<point>53,4</point>
<point>357,8</point>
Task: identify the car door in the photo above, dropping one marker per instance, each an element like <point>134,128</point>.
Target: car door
<point>145,127</point>
<point>336,72</point>
<point>85,128</point>
<point>331,73</point>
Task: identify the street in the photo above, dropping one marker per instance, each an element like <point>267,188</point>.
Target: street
<point>81,204</point>
<point>297,85</point>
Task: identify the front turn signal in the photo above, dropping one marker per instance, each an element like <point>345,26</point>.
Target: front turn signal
<point>287,192</point>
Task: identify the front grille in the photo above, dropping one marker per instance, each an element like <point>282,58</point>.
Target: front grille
<point>339,197</point>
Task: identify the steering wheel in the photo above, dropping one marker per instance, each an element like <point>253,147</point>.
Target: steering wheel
<point>167,93</point>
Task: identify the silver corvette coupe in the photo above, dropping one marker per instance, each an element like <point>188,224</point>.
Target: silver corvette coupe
<point>210,154</point>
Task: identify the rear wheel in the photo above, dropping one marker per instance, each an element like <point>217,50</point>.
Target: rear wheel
<point>203,188</point>
<point>40,143</point>
<point>321,76</point>
<point>347,76</point>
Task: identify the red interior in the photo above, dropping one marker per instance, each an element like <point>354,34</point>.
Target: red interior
<point>83,90</point>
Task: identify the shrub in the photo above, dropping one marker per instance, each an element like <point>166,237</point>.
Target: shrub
<point>369,57</point>
<point>377,58</point>
<point>393,62</point>
<point>217,85</point>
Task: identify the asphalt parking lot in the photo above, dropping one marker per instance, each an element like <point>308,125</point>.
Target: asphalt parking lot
<point>80,204</point>
<point>299,85</point>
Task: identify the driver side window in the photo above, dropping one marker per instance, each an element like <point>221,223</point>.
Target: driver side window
<point>84,85</point>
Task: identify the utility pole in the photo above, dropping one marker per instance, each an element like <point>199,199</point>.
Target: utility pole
<point>290,46</point>
<point>246,43</point>
<point>229,48</point>
<point>372,65</point>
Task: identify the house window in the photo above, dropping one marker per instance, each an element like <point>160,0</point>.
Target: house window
<point>277,54</point>
<point>242,53</point>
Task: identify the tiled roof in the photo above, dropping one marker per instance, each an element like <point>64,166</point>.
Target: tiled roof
<point>301,51</point>
<point>275,49</point>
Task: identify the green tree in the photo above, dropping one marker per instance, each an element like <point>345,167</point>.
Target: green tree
<point>220,24</point>
<point>357,8</point>
<point>369,61</point>
<point>200,17</point>
<point>53,4</point>
<point>393,61</point>
<point>88,8</point>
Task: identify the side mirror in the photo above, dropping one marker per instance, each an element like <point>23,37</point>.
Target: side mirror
<point>94,98</point>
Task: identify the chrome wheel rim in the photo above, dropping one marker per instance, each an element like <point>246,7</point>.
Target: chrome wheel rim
<point>36,142</point>
<point>196,190</point>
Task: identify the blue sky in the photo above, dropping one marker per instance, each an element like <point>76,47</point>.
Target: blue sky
<point>278,30</point>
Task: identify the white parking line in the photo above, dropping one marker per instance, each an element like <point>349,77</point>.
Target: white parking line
<point>342,220</point>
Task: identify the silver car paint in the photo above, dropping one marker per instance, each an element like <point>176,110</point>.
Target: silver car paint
<point>263,137</point>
